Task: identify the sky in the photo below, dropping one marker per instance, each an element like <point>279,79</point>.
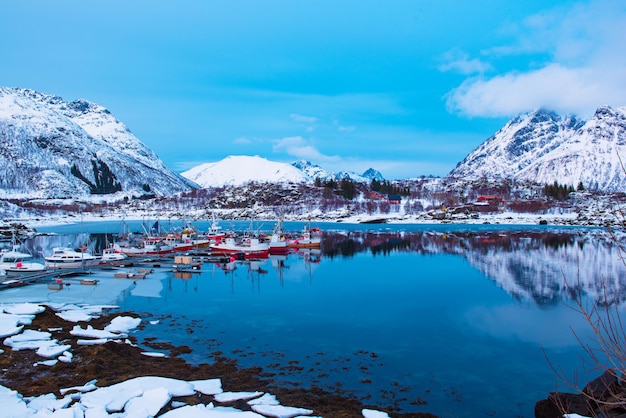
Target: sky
<point>408,87</point>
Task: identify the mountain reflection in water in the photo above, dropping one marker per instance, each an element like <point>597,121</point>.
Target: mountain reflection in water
<point>543,267</point>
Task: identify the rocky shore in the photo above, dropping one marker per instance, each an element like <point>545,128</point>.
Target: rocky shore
<point>113,362</point>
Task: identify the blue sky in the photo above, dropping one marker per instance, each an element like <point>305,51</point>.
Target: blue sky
<point>408,87</point>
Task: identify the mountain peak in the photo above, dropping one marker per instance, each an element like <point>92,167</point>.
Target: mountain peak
<point>241,169</point>
<point>372,174</point>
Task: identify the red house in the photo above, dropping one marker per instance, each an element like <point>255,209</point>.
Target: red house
<point>491,199</point>
<point>394,199</point>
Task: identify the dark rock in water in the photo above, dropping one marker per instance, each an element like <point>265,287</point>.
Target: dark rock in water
<point>375,221</point>
<point>603,396</point>
<point>557,402</point>
<point>602,387</point>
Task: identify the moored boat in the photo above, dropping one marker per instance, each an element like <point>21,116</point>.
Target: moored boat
<point>152,245</point>
<point>250,247</point>
<point>309,238</point>
<point>63,257</point>
<point>179,242</point>
<point>111,257</point>
<point>214,235</point>
<point>14,262</point>
<point>278,244</point>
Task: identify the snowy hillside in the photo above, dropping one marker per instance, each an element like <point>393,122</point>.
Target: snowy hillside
<point>57,149</point>
<point>544,147</point>
<point>242,169</point>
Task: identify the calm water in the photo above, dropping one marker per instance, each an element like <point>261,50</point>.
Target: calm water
<point>456,321</point>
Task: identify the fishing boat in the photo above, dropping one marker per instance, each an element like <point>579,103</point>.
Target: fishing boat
<point>179,242</point>
<point>278,244</point>
<point>214,235</point>
<point>111,257</point>
<point>63,257</point>
<point>309,238</point>
<point>249,246</point>
<point>186,239</point>
<point>14,262</point>
<point>146,246</point>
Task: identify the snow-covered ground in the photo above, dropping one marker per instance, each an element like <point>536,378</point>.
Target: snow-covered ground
<point>340,216</point>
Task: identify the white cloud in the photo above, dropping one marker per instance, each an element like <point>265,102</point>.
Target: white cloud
<point>298,147</point>
<point>575,59</point>
<point>302,118</point>
<point>460,62</point>
<point>242,140</point>
<point>554,87</point>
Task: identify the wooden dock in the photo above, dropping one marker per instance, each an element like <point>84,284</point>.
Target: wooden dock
<point>42,277</point>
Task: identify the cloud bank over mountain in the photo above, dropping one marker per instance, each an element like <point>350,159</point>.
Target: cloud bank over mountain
<point>584,64</point>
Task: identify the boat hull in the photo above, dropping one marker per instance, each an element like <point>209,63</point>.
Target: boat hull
<point>305,244</point>
<point>247,253</point>
<point>25,269</point>
<point>250,248</point>
<point>77,264</point>
<point>279,249</point>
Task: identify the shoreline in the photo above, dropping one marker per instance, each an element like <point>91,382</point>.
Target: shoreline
<point>114,362</point>
<point>506,218</point>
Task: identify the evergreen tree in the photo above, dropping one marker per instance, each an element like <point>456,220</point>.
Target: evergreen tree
<point>557,191</point>
<point>347,189</point>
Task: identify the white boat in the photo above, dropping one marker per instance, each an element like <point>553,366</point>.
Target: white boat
<point>14,262</point>
<point>148,246</point>
<point>112,257</point>
<point>63,257</point>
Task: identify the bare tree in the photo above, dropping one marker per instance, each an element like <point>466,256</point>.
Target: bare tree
<point>603,352</point>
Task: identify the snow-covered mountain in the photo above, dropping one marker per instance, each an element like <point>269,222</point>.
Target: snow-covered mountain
<point>313,171</point>
<point>544,147</point>
<point>242,169</point>
<point>56,149</point>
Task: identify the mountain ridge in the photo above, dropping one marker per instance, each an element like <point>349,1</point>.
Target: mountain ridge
<point>544,147</point>
<point>57,149</point>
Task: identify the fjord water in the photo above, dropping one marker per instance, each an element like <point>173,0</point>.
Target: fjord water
<point>456,321</point>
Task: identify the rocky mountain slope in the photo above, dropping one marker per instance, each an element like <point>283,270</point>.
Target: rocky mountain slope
<point>50,148</point>
<point>544,147</point>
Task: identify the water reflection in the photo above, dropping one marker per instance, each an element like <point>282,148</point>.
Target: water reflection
<point>543,267</point>
<point>396,317</point>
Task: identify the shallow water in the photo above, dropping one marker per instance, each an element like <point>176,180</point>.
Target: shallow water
<point>456,321</point>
